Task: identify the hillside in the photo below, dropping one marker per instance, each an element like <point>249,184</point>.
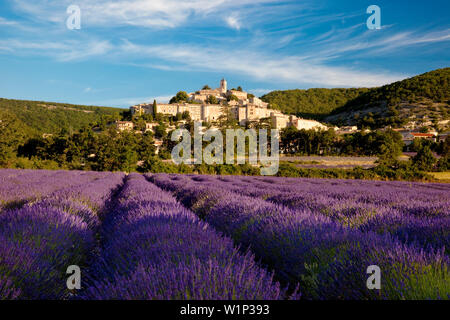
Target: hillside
<point>421,99</point>
<point>36,117</point>
<point>311,103</point>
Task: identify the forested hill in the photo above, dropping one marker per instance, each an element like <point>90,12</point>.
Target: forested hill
<point>427,94</point>
<point>314,103</point>
<point>36,117</point>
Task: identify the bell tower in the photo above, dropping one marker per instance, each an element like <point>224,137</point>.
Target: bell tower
<point>223,86</point>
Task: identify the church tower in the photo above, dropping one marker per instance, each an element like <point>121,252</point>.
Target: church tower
<point>223,86</point>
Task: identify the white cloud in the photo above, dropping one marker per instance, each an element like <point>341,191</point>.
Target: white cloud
<point>257,57</point>
<point>233,22</point>
<point>6,22</point>
<point>369,43</point>
<point>260,92</point>
<point>69,50</point>
<point>145,13</point>
<point>126,102</point>
<point>291,69</point>
<point>310,68</point>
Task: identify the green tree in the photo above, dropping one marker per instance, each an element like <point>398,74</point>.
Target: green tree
<point>212,100</point>
<point>146,148</point>
<point>11,135</point>
<point>424,159</point>
<point>160,131</point>
<point>181,96</point>
<point>226,118</point>
<point>186,116</point>
<point>155,108</point>
<point>232,98</point>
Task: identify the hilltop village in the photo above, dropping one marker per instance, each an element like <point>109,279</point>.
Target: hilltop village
<point>207,105</point>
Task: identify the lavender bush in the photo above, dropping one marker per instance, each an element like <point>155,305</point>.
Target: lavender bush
<point>156,249</point>
<point>41,239</point>
<point>175,237</point>
<point>305,243</point>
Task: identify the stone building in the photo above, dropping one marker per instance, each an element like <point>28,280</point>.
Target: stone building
<point>124,125</point>
<point>246,108</point>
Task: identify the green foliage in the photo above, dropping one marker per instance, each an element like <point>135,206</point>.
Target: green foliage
<point>212,100</point>
<point>181,96</point>
<point>206,87</point>
<point>444,148</point>
<point>232,98</point>
<point>387,145</point>
<point>155,165</point>
<point>186,116</point>
<point>85,150</point>
<point>307,142</point>
<point>444,163</point>
<point>392,101</point>
<point>424,159</point>
<point>431,87</point>
<point>35,163</point>
<point>12,133</point>
<point>160,131</point>
<point>312,103</point>
<point>48,117</point>
<point>404,172</point>
<point>155,107</point>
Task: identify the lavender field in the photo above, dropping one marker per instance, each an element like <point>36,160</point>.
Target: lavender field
<point>165,237</point>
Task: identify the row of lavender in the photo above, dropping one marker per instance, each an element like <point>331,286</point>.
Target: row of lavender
<point>409,198</point>
<point>154,248</point>
<point>411,212</point>
<point>18,187</point>
<point>323,240</point>
<point>40,239</point>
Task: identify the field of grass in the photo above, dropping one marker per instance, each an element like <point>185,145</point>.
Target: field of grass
<point>441,176</point>
<point>329,162</point>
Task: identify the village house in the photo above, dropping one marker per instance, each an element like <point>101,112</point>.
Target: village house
<point>150,126</point>
<point>158,144</point>
<point>427,136</point>
<point>408,137</point>
<point>240,104</point>
<point>443,136</point>
<point>124,125</point>
<point>346,130</point>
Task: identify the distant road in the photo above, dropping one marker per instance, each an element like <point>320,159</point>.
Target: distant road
<point>329,158</point>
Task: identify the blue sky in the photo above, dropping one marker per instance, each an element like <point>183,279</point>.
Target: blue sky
<point>133,51</point>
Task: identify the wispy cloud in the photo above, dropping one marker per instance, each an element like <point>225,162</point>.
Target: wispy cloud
<point>292,69</point>
<point>69,50</point>
<point>233,22</point>
<point>126,102</point>
<point>280,43</point>
<point>260,91</point>
<point>6,22</point>
<point>368,43</point>
<point>154,13</point>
